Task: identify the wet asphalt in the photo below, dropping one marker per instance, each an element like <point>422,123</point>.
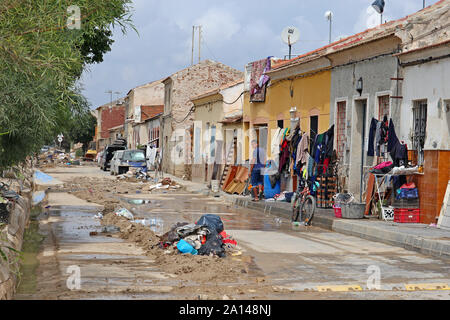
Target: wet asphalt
<point>300,262</point>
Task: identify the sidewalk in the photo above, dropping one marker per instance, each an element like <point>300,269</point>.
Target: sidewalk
<point>417,237</point>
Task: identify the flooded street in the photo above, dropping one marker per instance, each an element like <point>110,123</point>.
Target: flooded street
<point>281,261</point>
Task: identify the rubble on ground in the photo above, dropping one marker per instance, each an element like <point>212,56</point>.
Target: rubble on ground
<point>211,266</point>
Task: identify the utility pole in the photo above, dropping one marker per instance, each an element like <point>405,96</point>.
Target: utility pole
<point>199,28</point>
<point>424,4</point>
<point>199,44</point>
<point>193,44</point>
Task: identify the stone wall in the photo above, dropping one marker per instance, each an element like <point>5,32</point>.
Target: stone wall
<point>184,85</point>
<point>14,233</point>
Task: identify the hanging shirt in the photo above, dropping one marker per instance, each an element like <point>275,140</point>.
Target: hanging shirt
<point>302,149</point>
<point>151,156</point>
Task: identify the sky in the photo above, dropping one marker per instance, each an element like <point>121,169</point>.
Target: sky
<point>234,32</point>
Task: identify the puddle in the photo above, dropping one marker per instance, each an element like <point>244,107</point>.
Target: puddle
<point>38,197</point>
<point>31,247</point>
<point>138,202</point>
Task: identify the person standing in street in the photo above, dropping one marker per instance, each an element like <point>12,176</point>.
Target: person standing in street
<point>257,166</point>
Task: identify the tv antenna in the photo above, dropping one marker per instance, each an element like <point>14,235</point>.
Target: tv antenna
<point>290,36</point>
<point>111,92</point>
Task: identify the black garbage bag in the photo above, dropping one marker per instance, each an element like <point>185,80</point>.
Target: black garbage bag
<point>213,222</point>
<point>274,179</point>
<point>213,244</point>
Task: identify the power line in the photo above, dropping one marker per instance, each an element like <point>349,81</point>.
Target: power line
<point>209,49</point>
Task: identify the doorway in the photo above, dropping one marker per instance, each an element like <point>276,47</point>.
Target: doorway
<point>313,130</point>
<point>358,153</point>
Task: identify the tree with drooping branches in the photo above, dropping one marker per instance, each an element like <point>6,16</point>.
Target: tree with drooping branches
<point>41,60</point>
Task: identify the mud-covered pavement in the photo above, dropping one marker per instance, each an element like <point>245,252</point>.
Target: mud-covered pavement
<point>278,261</point>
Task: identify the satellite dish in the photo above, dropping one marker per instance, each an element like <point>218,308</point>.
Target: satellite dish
<point>290,35</point>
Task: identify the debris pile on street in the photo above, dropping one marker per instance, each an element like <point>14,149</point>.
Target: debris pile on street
<point>165,184</point>
<point>197,252</point>
<point>51,159</point>
<point>207,237</point>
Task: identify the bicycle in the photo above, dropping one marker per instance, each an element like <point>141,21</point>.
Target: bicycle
<point>304,204</point>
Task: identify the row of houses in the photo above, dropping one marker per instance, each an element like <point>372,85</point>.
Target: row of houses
<point>208,114</point>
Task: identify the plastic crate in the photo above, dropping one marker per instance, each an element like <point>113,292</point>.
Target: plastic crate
<point>407,215</point>
<point>337,212</point>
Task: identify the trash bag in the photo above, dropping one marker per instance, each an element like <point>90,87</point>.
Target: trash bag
<point>194,240</point>
<point>213,222</point>
<point>172,235</point>
<point>274,179</point>
<point>185,247</point>
<point>189,229</point>
<point>213,245</point>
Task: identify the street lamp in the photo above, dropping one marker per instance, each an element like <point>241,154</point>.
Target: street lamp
<point>359,86</point>
<point>329,17</point>
<point>378,5</point>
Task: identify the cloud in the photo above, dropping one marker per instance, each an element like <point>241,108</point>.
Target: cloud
<point>219,25</point>
<point>234,32</point>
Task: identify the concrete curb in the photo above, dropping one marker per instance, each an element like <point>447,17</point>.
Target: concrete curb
<point>432,247</point>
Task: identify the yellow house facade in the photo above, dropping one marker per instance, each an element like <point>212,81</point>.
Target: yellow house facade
<point>293,84</point>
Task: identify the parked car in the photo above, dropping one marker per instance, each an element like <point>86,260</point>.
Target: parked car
<point>123,161</point>
<point>105,160</point>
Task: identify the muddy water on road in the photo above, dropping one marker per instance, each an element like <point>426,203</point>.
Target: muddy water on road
<point>111,268</point>
<point>189,208</point>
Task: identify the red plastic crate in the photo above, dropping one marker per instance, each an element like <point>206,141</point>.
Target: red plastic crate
<point>407,215</point>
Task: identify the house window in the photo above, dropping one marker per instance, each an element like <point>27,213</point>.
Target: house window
<point>281,124</point>
<point>383,107</point>
<point>420,127</point>
<point>340,129</point>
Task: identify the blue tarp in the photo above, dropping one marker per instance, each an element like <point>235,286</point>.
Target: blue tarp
<point>42,177</point>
